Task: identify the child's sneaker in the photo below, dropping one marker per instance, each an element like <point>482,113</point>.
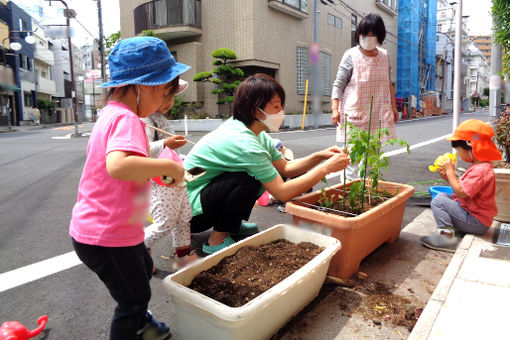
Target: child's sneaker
<point>441,241</point>
<point>153,329</point>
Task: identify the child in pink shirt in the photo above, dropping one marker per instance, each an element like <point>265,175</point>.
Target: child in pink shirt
<point>472,206</point>
<point>108,219</point>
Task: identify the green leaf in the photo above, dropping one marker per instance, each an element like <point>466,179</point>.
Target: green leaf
<point>202,76</point>
<point>224,53</point>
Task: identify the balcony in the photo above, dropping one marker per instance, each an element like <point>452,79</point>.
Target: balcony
<point>296,8</point>
<point>389,6</point>
<point>170,19</point>
<point>45,85</point>
<point>44,55</point>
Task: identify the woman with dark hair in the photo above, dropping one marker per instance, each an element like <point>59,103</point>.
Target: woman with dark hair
<point>364,73</point>
<point>241,162</point>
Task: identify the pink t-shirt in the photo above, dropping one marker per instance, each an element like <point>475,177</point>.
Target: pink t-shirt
<point>479,183</point>
<point>110,212</point>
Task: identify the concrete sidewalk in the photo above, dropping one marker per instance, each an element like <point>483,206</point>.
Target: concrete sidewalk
<point>472,299</point>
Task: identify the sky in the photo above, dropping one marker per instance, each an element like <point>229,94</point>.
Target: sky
<point>480,19</point>
<point>86,15</point>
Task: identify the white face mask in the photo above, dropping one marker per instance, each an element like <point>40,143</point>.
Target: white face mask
<point>368,43</point>
<point>273,122</point>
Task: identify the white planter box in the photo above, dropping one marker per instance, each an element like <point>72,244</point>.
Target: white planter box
<point>503,194</point>
<point>291,122</point>
<point>196,124</point>
<point>295,121</point>
<point>200,317</point>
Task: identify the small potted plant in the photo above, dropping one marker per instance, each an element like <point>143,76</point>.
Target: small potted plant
<point>502,168</point>
<point>362,214</point>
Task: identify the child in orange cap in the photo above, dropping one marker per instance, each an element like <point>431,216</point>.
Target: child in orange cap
<point>472,206</point>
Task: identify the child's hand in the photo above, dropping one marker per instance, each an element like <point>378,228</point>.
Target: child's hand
<point>175,142</point>
<point>442,173</point>
<point>448,166</point>
<point>177,175</point>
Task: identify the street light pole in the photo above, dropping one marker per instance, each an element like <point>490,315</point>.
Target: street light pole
<point>495,78</point>
<point>314,68</point>
<point>69,13</point>
<point>101,40</point>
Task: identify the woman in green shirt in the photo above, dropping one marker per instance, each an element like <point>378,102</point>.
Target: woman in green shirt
<point>241,162</point>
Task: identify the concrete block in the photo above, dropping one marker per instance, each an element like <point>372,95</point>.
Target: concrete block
<point>422,328</point>
<point>444,286</point>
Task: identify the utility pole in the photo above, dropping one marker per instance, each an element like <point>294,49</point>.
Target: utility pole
<point>458,67</point>
<point>314,67</point>
<point>495,78</point>
<point>101,39</point>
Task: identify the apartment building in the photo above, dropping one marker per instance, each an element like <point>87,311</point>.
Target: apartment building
<point>445,43</point>
<point>478,71</point>
<point>7,85</point>
<point>43,62</point>
<point>270,36</point>
<point>21,60</point>
<point>483,42</point>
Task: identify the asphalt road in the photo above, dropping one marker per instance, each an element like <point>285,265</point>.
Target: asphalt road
<point>38,181</point>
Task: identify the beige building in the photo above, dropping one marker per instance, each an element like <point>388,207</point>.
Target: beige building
<point>483,42</point>
<point>43,62</point>
<point>270,36</point>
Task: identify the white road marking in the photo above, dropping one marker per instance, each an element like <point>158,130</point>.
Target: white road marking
<point>35,271</point>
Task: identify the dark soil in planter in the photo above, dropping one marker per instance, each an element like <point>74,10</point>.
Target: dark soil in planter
<point>251,271</point>
<point>501,165</point>
<point>344,209</point>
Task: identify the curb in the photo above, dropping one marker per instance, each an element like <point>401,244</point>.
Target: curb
<point>426,320</point>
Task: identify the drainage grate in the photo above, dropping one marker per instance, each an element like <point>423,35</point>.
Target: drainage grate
<point>502,235</point>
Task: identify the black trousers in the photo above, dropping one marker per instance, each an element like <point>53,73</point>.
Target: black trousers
<point>226,201</point>
<point>126,272</point>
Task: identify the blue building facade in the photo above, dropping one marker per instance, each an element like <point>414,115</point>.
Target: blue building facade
<point>22,61</point>
<point>416,62</point>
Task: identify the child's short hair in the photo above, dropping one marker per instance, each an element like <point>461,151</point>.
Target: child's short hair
<point>461,144</point>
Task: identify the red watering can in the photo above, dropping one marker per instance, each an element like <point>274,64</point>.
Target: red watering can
<point>13,330</point>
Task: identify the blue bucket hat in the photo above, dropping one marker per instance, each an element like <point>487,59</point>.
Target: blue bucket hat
<point>142,61</point>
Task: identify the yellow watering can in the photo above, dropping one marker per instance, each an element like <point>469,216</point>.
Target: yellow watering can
<point>438,163</point>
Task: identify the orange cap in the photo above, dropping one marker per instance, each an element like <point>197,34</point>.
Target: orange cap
<point>479,134</point>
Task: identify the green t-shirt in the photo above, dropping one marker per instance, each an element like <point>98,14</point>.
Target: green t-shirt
<point>232,147</point>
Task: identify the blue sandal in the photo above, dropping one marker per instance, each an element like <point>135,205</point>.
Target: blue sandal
<point>247,229</point>
<point>228,241</point>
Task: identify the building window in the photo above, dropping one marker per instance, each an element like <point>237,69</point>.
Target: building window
<point>23,25</point>
<point>334,21</point>
<point>325,67</point>
<point>300,5</point>
<point>354,25</point>
<point>27,98</point>
<point>303,72</point>
<point>29,64</point>
<point>23,62</point>
<point>302,69</point>
<point>393,4</point>
<point>44,74</point>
